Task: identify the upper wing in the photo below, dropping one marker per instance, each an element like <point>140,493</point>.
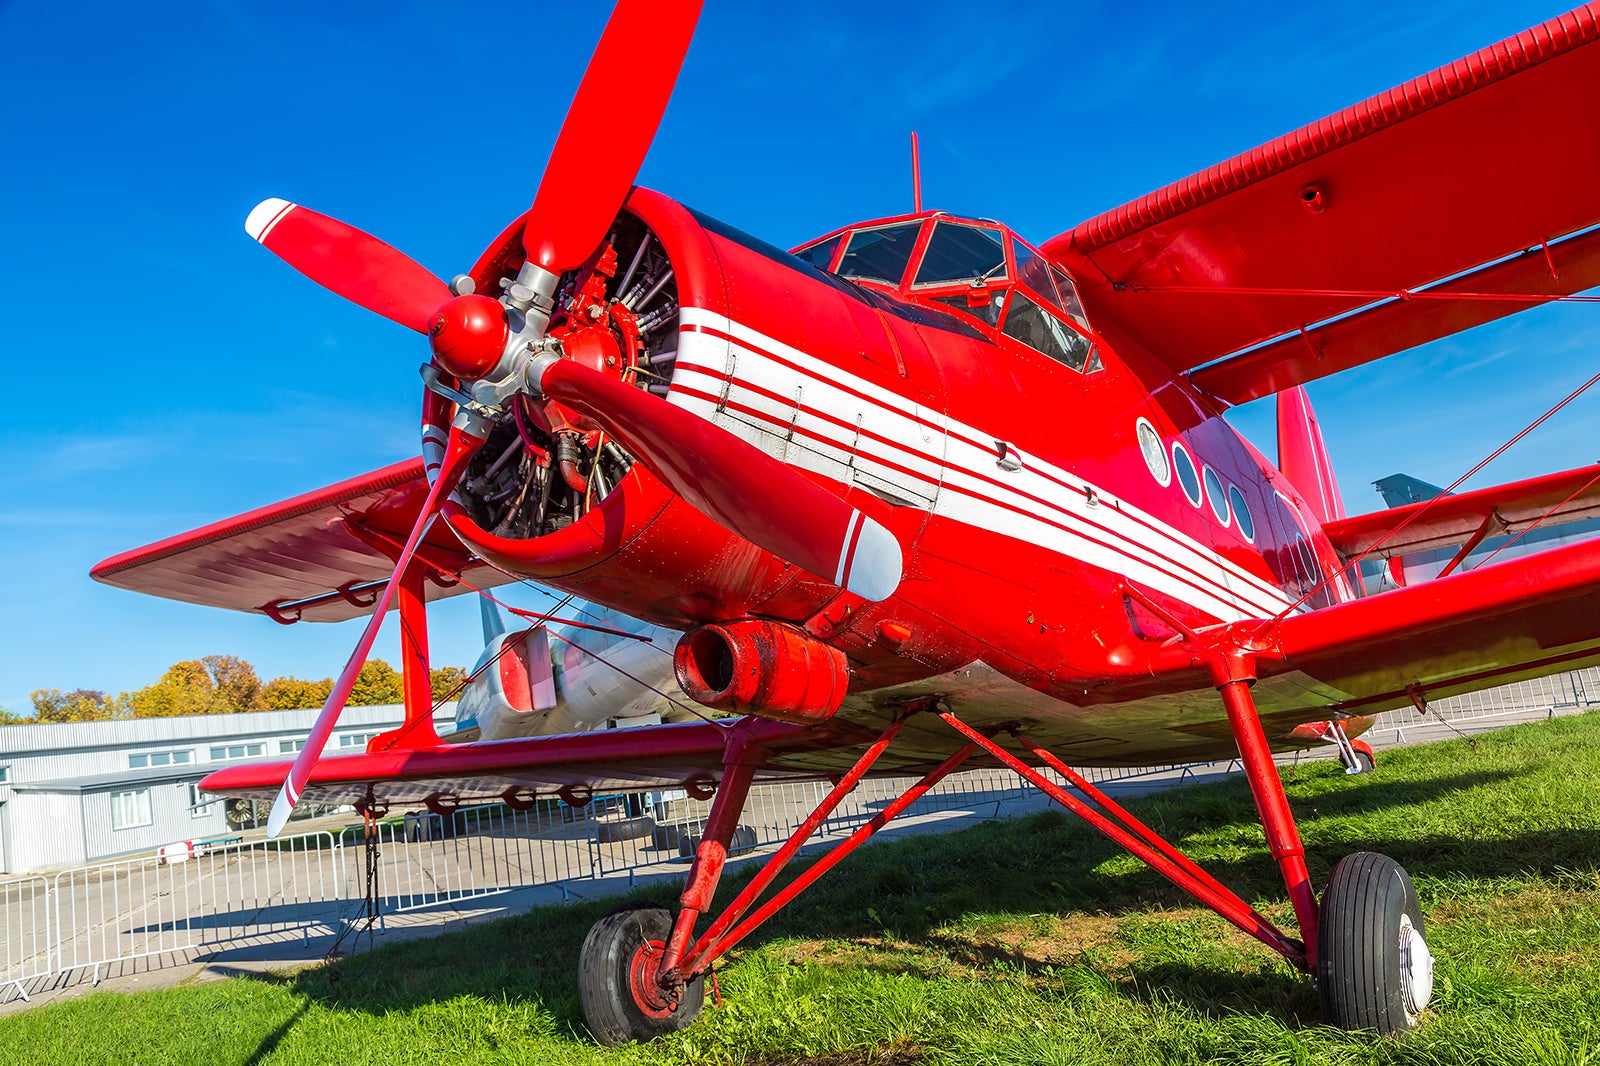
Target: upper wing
<point>315,557</point>
<point>1476,178</point>
<point>1568,496</point>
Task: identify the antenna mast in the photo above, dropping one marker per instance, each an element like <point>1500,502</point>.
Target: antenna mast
<point>916,176</point>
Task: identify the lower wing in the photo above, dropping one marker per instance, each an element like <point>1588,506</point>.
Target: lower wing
<point>320,557</point>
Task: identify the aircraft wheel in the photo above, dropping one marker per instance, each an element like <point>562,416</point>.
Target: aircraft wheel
<point>617,988</point>
<point>1364,763</point>
<point>1374,970</point>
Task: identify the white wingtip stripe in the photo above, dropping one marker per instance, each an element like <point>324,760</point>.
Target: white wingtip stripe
<point>265,215</point>
<point>282,807</point>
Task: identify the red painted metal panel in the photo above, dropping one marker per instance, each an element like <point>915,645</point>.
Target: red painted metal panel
<point>1397,325</point>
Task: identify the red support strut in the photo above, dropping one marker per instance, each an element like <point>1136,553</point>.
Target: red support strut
<point>1180,871</point>
<point>712,854</point>
<point>704,952</point>
<point>695,960</point>
<point>1235,676</point>
<point>1150,836</point>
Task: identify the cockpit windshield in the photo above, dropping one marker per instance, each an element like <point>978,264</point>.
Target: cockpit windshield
<point>880,253</point>
<point>959,252</point>
<point>964,266</point>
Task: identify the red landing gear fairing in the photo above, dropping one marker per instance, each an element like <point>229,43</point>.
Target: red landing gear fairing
<point>924,495</point>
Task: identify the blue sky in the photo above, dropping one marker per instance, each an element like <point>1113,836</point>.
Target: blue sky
<point>166,371</point>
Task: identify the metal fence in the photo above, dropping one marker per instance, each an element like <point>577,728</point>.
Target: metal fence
<point>195,898</point>
<point>1580,688</point>
<point>27,950</point>
<point>426,859</point>
<point>218,895</point>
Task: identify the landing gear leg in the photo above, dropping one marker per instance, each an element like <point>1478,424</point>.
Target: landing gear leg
<point>629,985</point>
<point>1365,943</point>
<point>1283,838</point>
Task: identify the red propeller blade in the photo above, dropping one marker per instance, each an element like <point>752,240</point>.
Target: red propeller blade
<point>457,452</point>
<point>736,483</point>
<point>608,129</point>
<point>354,264</point>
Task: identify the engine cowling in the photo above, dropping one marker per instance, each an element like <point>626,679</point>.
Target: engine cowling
<point>767,669</point>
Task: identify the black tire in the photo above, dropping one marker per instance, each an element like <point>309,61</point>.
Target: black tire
<point>1364,763</point>
<point>1373,966</point>
<point>616,990</point>
<point>615,830</point>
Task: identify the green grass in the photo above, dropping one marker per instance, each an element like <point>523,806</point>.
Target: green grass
<point>1028,941</point>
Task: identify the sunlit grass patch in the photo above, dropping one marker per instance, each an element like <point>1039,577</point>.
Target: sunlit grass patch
<point>1026,941</point>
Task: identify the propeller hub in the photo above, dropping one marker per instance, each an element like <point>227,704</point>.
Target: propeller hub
<point>468,335</point>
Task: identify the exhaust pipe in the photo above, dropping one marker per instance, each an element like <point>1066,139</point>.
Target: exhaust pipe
<point>766,669</point>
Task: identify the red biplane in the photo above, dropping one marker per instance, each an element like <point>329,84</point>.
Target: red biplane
<point>923,495</point>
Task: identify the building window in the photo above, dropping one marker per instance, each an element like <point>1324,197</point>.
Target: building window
<point>356,740</point>
<point>5,774</point>
<point>159,758</point>
<point>130,809</point>
<point>199,802</point>
<point>237,751</point>
<point>290,747</point>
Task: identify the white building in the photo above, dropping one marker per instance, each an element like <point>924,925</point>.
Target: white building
<point>78,792</point>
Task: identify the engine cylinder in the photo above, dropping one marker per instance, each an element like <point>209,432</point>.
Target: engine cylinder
<point>766,669</point>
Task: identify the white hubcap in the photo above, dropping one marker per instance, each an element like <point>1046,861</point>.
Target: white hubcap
<point>1416,968</point>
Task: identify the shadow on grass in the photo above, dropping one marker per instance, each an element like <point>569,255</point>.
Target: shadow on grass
<point>1221,994</point>
<point>1046,863</point>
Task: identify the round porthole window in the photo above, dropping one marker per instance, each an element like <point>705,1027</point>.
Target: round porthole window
<point>1241,513</point>
<point>1188,476</point>
<point>1214,493</point>
<point>1155,454</point>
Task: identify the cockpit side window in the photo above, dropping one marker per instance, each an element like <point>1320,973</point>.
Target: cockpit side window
<point>1069,298</point>
<point>1034,272</point>
<point>820,255</point>
<point>1042,331</point>
<point>960,252</point>
<point>880,253</point>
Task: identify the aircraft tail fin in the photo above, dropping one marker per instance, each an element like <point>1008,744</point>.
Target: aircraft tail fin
<point>1303,455</point>
<point>1400,490</point>
<point>493,624</point>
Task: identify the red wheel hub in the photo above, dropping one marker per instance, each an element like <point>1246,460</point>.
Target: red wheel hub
<point>644,981</point>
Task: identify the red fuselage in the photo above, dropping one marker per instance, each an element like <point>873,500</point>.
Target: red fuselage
<point>1042,536</point>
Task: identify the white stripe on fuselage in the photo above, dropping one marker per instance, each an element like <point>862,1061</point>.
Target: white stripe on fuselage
<point>780,408</point>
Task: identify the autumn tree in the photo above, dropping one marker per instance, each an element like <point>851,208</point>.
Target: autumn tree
<point>295,694</point>
<point>237,686</point>
<point>377,684</point>
<point>444,680</point>
<point>215,684</point>
<point>79,705</point>
<point>186,688</point>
